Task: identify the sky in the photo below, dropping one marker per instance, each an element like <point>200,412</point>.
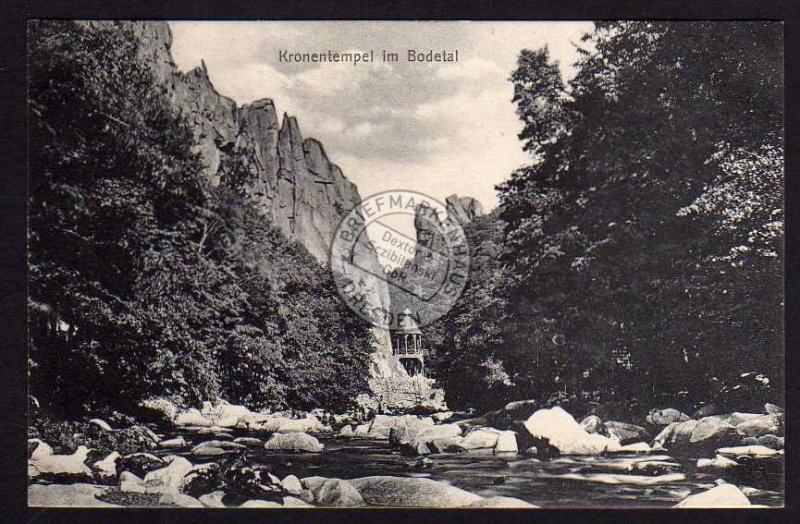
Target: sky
<point>439,128</point>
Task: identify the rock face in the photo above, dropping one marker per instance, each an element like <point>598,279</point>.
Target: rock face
<point>463,209</point>
<point>290,178</point>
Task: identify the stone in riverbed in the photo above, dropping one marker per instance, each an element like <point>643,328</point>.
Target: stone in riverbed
<point>626,433</point>
<point>173,443</point>
<point>771,441</point>
<point>256,503</point>
<point>192,417</point>
<point>772,409</point>
<point>411,492</point>
<point>106,469</point>
<point>38,449</point>
<point>213,499</point>
<point>506,442</point>
<point>724,496</point>
<point>736,418</point>
<point>171,476</point>
<point>213,448</point>
<point>292,485</point>
<point>763,425</point>
<point>665,417</point>
<point>718,462</point>
<point>593,424</point>
<point>752,451</point>
<point>248,441</point>
<point>100,423</point>
<point>70,495</point>
<point>333,492</point>
<point>480,438</point>
<point>347,432</point>
<point>713,431</point>
<point>501,502</point>
<point>294,502</point>
<point>180,500</point>
<point>140,463</point>
<point>293,442</point>
<point>563,432</point>
<point>130,483</point>
<point>71,468</point>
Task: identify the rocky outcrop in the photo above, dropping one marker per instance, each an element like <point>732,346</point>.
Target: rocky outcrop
<point>289,177</point>
<point>463,209</point>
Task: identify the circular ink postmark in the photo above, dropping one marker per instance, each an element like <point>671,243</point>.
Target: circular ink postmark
<point>391,279</point>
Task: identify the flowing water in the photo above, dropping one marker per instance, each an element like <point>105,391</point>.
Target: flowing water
<point>561,482</point>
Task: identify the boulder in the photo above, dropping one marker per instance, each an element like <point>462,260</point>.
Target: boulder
<point>593,424</point>
<point>771,441</point>
<point>140,463</point>
<point>713,430</point>
<point>293,442</point>
<point>248,441</point>
<point>506,442</point>
<point>71,495</point>
<point>213,499</point>
<point>106,469</point>
<point>130,483</point>
<point>724,496</point>
<point>100,423</point>
<point>560,430</point>
<point>173,443</point>
<point>38,449</point>
<point>192,417</point>
<point>292,485</point>
<point>213,448</point>
<point>310,424</point>
<point>750,451</point>
<point>61,467</point>
<point>362,430</point>
<point>665,417</point>
<point>171,476</point>
<point>736,418</point>
<point>333,492</point>
<point>161,409</point>
<point>718,462</point>
<point>480,438</point>
<point>762,425</point>
<point>676,434</point>
<point>411,492</point>
<point>501,502</point>
<point>749,441</point>
<point>294,502</point>
<point>441,445</point>
<point>180,499</point>
<point>772,409</point>
<point>442,416</point>
<point>256,503</point>
<point>347,432</point>
<point>626,433</point>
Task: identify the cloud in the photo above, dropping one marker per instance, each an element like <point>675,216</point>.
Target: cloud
<point>441,128</point>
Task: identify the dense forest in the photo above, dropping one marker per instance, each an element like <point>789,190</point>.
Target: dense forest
<point>639,256</point>
<point>145,279</point>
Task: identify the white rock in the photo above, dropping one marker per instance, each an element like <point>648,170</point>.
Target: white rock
<point>170,476</point>
<point>213,499</point>
<point>42,449</point>
<point>565,434</point>
<point>67,465</point>
<point>70,495</point>
<point>724,496</point>
<point>718,462</point>
<point>506,442</point>
<point>192,417</point>
<point>174,443</point>
<point>291,484</point>
<point>107,468</point>
<point>260,504</point>
<point>100,423</point>
<point>755,451</point>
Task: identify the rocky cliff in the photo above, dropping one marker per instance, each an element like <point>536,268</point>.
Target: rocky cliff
<point>291,179</point>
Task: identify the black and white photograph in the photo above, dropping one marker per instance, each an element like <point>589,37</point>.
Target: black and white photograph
<point>405,264</point>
